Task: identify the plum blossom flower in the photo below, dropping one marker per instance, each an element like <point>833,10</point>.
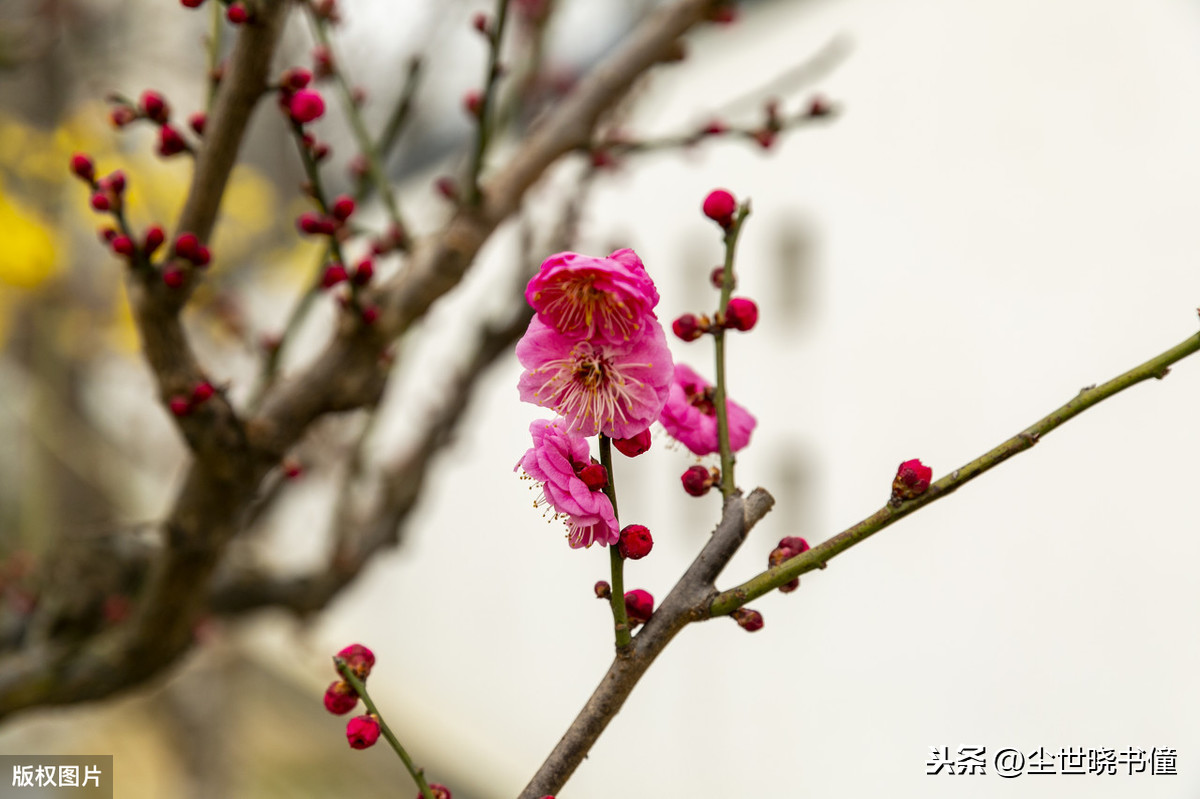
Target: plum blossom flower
<point>556,460</point>
<point>614,388</point>
<point>690,416</point>
<point>593,298</point>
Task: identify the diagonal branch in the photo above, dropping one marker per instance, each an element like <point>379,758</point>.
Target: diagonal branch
<point>816,558</point>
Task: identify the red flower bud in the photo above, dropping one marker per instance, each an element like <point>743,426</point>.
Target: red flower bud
<point>480,22</point>
<point>173,276</point>
<point>714,128</point>
<point>343,206</point>
<point>170,142</point>
<point>192,3</point>
<point>912,480</point>
<point>697,480</point>
<point>603,589</point>
<point>593,476</point>
<point>360,660</point>
<point>100,201</point>
<point>819,107</point>
<point>635,542</point>
<point>179,405</point>
<point>154,107</point>
<point>237,13</point>
<point>749,620</point>
<point>741,314</point>
<point>687,327</point>
<point>295,78</point>
<point>322,62</point>
<point>154,239</point>
<point>202,392</point>
<point>292,469</point>
<point>719,206</point>
<point>121,115</point>
<point>107,234</point>
<point>717,277</point>
<point>114,182</point>
<point>764,137</point>
<point>334,273</point>
<point>446,187</point>
<point>187,245</point>
<point>639,606</point>
<point>197,121</point>
<point>314,224</point>
<point>473,102</point>
<point>364,272</point>
<point>438,790</point>
<point>340,698</point>
<point>123,245</point>
<point>362,731</point>
<point>305,106</point>
<point>633,446</point>
<point>83,168</point>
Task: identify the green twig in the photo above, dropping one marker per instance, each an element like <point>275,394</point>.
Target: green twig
<point>727,458</point>
<point>484,131</point>
<point>616,562</point>
<point>818,556</point>
<point>367,147</point>
<point>360,688</point>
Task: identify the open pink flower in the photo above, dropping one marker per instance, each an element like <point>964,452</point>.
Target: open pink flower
<point>594,298</point>
<point>556,460</point>
<point>614,388</point>
<point>690,416</point>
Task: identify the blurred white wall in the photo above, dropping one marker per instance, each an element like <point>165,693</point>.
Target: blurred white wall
<point>1005,214</point>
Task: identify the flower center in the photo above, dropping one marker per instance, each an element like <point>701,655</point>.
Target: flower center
<point>579,305</point>
<point>588,388</point>
<point>702,399</point>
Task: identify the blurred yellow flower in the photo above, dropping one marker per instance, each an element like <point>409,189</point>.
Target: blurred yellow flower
<point>27,252</point>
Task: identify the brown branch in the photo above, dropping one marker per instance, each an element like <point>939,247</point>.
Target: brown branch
<point>252,588</point>
<point>686,603</point>
<point>342,377</point>
<point>222,480</point>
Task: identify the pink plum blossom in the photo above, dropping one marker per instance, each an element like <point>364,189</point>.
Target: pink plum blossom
<point>556,460</point>
<point>690,416</point>
<point>593,298</point>
<point>614,388</point>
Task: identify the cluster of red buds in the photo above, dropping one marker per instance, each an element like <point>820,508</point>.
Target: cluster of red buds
<point>740,314</point>
<point>153,107</point>
<point>788,548</point>
<point>108,196</point>
<point>332,223</point>
<point>236,12</point>
<point>182,405</point>
<point>340,697</point>
<point>300,103</point>
<point>697,480</point>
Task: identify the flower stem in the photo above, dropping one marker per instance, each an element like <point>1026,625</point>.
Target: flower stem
<point>496,37</point>
<point>727,458</point>
<point>370,151</point>
<point>360,688</point>
<point>616,562</point>
<point>214,54</point>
